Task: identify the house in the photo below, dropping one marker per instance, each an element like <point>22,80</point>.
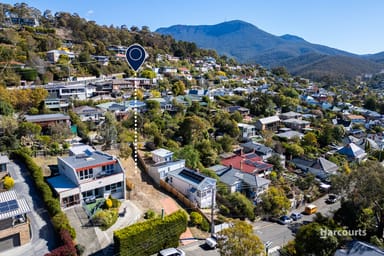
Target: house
<point>80,149</point>
<point>161,155</point>
<point>248,163</point>
<point>290,114</point>
<point>4,161</point>
<point>87,113</point>
<point>46,120</point>
<point>14,223</point>
<point>353,152</point>
<point>358,248</point>
<point>271,123</point>
<point>320,167</point>
<point>56,104</point>
<point>75,91</point>
<point>92,174</point>
<point>54,55</point>
<point>243,111</point>
<point>247,130</point>
<point>296,124</point>
<point>355,119</point>
<point>197,187</point>
<point>290,135</point>
<point>237,181</point>
<point>163,164</point>
<point>261,150</point>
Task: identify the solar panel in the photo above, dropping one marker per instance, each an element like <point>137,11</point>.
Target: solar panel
<point>192,176</point>
<point>8,206</point>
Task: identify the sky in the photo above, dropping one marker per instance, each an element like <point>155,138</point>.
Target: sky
<point>355,26</point>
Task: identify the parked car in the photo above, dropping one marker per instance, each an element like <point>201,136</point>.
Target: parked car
<point>332,198</point>
<point>295,216</point>
<point>284,220</point>
<point>171,252</point>
<point>211,242</point>
<point>90,200</point>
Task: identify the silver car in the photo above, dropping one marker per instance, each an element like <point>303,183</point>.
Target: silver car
<point>171,252</point>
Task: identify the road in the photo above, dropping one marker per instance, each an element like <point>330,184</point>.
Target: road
<point>279,234</point>
<point>43,237</point>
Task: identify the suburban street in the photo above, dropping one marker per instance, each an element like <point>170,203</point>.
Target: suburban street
<point>43,237</point>
<point>280,234</point>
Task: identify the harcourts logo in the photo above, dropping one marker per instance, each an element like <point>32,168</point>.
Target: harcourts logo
<point>324,233</point>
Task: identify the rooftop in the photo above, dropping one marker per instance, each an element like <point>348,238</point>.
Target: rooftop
<point>11,206</point>
<point>94,158</point>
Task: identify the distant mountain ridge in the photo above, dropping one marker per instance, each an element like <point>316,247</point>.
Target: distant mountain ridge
<point>249,44</point>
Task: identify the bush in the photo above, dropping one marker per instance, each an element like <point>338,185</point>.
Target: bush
<point>8,182</point>
<point>204,225</point>
<point>80,249</point>
<point>195,219</point>
<point>108,203</point>
<point>135,239</point>
<point>105,218</point>
<point>150,214</point>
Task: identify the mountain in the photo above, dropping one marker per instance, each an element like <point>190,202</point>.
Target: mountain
<point>249,44</point>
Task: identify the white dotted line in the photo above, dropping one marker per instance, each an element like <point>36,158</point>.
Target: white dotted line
<point>135,121</point>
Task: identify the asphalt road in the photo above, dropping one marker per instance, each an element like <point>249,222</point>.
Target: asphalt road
<point>43,237</point>
<point>279,234</point>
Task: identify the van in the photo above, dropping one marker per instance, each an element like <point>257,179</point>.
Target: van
<point>310,209</point>
<point>211,242</point>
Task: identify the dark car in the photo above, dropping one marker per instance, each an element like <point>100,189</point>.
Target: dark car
<point>332,198</point>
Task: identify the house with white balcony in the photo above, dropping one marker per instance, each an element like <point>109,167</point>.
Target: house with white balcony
<point>88,175</point>
<point>197,187</point>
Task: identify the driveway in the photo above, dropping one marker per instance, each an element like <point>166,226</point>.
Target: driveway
<point>43,237</point>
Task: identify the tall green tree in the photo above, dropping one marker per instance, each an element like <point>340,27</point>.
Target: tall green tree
<point>240,240</point>
<point>274,202</point>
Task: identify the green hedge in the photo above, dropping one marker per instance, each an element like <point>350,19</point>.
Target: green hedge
<point>149,237</point>
<point>58,217</point>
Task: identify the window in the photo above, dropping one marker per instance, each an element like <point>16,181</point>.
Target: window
<point>113,188</point>
<point>108,168</point>
<point>85,174</point>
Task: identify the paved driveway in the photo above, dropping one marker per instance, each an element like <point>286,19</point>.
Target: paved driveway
<point>43,237</point>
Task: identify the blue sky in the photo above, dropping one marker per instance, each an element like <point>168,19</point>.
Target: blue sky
<point>351,25</point>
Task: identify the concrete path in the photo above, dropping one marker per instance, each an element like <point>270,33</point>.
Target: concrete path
<point>170,206</point>
<point>96,241</point>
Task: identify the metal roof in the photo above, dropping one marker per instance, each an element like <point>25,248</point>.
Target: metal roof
<point>10,198</point>
<point>93,159</point>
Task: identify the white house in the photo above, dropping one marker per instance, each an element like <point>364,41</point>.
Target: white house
<point>195,186</point>
<point>161,155</point>
<point>92,174</point>
<point>247,130</point>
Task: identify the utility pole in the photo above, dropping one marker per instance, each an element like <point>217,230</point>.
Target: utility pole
<point>212,210</point>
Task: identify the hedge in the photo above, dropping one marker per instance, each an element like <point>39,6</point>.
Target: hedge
<point>58,218</point>
<point>149,237</point>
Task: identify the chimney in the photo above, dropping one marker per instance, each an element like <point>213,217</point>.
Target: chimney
<point>241,165</point>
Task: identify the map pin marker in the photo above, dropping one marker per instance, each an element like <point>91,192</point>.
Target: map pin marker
<point>136,55</point>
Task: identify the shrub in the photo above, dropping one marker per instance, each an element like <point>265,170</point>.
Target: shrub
<point>195,219</point>
<point>150,214</point>
<point>108,203</point>
<point>8,182</point>
<point>204,225</point>
<point>105,218</point>
<point>80,249</point>
<point>135,239</point>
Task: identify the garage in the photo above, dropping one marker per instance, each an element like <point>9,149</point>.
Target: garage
<point>9,242</point>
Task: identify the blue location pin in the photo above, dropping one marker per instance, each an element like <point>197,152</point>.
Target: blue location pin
<point>136,56</point>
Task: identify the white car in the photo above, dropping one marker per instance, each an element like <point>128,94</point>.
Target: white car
<point>211,242</point>
<point>171,252</point>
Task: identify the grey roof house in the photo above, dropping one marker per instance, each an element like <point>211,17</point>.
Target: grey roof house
<point>237,181</point>
<point>320,167</point>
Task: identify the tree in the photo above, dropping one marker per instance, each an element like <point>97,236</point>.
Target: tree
<point>8,182</point>
<point>311,241</point>
<point>293,149</point>
<point>310,139</point>
<point>240,240</point>
<point>108,130</point>
<point>191,156</point>
<point>178,88</point>
<point>275,202</point>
